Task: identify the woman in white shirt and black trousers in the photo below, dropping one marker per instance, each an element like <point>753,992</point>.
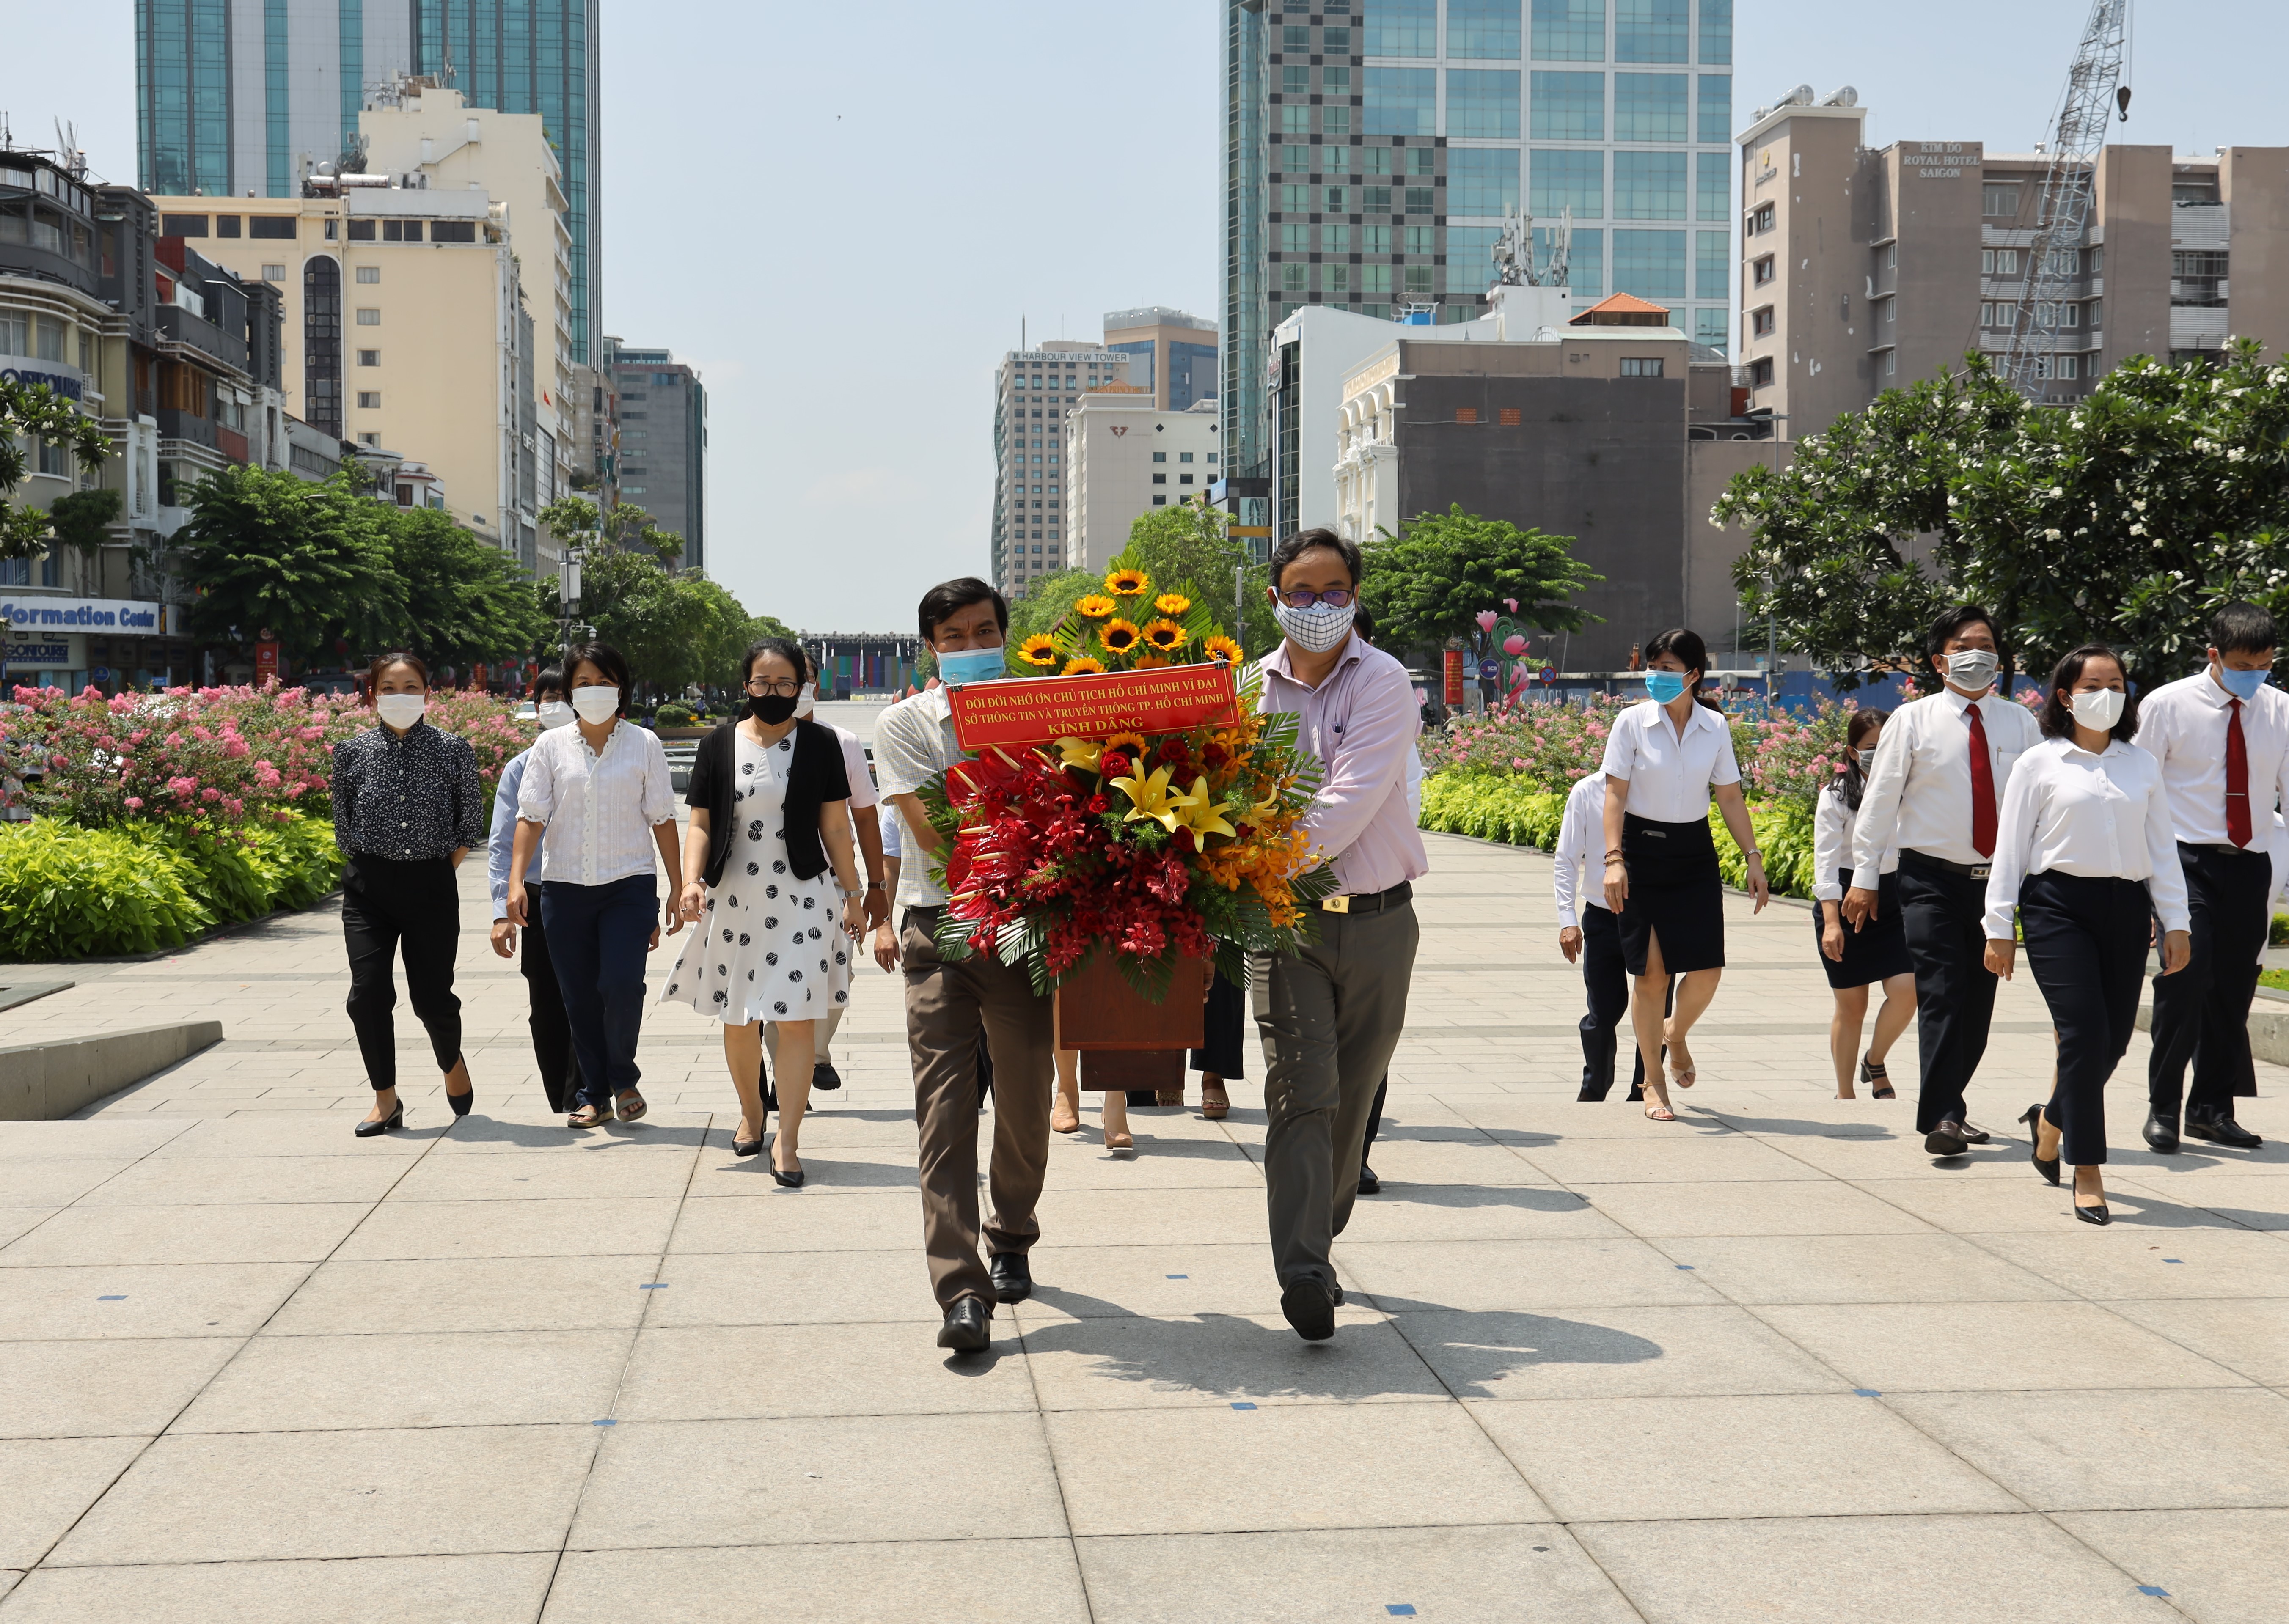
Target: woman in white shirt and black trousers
<point>1664,761</point>
<point>600,789</point>
<point>1858,955</point>
<point>2086,852</point>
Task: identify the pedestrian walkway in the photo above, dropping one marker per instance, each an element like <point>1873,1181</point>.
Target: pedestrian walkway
<point>1767,1363</point>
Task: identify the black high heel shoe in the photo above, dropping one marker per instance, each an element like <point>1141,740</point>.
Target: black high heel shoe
<point>461,1101</point>
<point>1872,1073</point>
<point>2048,1169</point>
<point>2094,1214</point>
<point>374,1130</point>
<point>745,1147</point>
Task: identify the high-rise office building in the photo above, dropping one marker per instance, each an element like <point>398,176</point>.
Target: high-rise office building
<point>1175,354</point>
<point>243,98</point>
<point>663,459</point>
<point>1450,116</point>
<point>1046,382</point>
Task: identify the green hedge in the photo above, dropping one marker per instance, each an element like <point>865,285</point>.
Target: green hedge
<point>1499,807</point>
<point>68,892</point>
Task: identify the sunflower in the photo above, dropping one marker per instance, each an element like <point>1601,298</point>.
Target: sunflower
<point>1222,651</point>
<point>1119,636</point>
<point>1166,635</point>
<point>1038,651</point>
<point>1128,583</point>
<point>1149,661</point>
<point>1081,664</point>
<point>1095,607</point>
<point>1134,743</point>
<point>1172,603</point>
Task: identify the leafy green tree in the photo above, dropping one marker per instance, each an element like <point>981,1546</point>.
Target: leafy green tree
<point>2126,518</point>
<point>79,518</point>
<point>1192,542</point>
<point>26,410</point>
<point>1430,581</point>
<point>1048,601</point>
<point>310,562</point>
<point>465,601</point>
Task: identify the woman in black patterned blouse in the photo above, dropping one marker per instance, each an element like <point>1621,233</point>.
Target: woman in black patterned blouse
<point>408,806</point>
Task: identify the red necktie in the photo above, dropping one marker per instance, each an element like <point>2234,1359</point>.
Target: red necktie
<point>2236,778</point>
<point>1983,785</point>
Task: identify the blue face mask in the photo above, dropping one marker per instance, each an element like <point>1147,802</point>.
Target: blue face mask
<point>972,665</point>
<point>2242,685</point>
<point>1663,686</point>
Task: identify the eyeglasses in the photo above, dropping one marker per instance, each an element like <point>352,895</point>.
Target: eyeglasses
<point>1340,598</point>
<point>786,688</point>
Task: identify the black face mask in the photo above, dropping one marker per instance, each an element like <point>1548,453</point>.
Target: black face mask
<point>772,709</point>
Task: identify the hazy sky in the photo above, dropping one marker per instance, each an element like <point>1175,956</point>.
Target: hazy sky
<point>840,214</point>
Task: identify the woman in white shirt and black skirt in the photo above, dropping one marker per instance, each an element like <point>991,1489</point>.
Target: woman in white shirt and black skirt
<point>2086,852</point>
<point>1664,761</point>
<point>1857,957</point>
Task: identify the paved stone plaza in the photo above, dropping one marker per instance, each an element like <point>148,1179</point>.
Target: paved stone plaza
<point>1767,1363</point>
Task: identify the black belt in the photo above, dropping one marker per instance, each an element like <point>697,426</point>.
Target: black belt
<point>1961,871</point>
<point>1368,901</point>
<point>2227,849</point>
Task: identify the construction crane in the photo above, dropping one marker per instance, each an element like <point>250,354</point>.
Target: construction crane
<point>2093,87</point>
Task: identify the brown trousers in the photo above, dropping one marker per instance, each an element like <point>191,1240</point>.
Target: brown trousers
<point>947,1005</point>
<point>1330,1016</point>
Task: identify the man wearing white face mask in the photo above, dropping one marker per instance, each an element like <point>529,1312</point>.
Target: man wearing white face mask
<point>1330,1014</point>
<point>552,1032</point>
<point>1943,764</point>
<point>2223,738</point>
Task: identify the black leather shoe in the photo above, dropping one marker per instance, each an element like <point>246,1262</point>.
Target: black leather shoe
<point>2221,1130</point>
<point>2160,1132</point>
<point>2094,1214</point>
<point>1311,1308</point>
<point>1593,1092</point>
<point>1369,1184</point>
<point>1013,1277</point>
<point>1948,1139</point>
<point>372,1130</point>
<point>969,1327</point>
<point>824,1077</point>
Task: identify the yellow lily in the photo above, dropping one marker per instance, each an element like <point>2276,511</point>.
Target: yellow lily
<point>1205,817</point>
<point>1263,811</point>
<point>1083,754</point>
<point>1151,798</point>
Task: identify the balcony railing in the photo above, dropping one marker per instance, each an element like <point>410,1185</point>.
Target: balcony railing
<point>186,327</point>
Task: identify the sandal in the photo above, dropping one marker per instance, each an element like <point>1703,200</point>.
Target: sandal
<point>1216,1106</point>
<point>1656,1108</point>
<point>1170,1096</point>
<point>1872,1073</point>
<point>589,1116</point>
<point>1678,1079</point>
<point>632,1112</point>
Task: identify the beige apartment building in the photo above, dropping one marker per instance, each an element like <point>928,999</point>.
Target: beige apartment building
<point>424,135</point>
<point>1034,391</point>
<point>1124,459</point>
<point>1172,353</point>
<point>403,330</point>
<point>1867,269</point>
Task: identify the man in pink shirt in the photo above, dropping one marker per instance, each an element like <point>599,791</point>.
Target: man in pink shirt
<point>1331,1015</point>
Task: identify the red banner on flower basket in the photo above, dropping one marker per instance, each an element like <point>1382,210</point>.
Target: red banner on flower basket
<point>1037,711</point>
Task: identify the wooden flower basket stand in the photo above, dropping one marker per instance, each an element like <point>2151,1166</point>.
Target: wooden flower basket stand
<point>1127,1042</point>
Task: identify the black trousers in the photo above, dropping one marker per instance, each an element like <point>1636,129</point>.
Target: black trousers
<point>1605,977</point>
<point>414,908</point>
<point>552,1031</point>
<point>2201,1014</point>
<point>1954,992</point>
<point>2086,946</point>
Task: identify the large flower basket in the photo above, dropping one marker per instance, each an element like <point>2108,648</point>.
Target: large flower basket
<point>1125,825</point>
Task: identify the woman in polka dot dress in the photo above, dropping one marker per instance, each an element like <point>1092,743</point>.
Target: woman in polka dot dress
<point>774,892</point>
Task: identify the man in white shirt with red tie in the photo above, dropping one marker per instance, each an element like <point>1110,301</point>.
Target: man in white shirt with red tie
<point>2223,738</point>
<point>1942,764</point>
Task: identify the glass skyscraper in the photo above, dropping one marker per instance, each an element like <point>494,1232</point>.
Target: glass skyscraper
<point>235,97</point>
<point>1454,113</point>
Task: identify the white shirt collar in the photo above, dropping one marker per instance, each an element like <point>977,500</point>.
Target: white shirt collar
<point>1960,703</point>
<point>2212,691</point>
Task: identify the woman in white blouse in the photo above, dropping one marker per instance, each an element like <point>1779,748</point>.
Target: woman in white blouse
<point>600,789</point>
<point>2086,850</point>
<point>1664,761</point>
<point>1857,957</point>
